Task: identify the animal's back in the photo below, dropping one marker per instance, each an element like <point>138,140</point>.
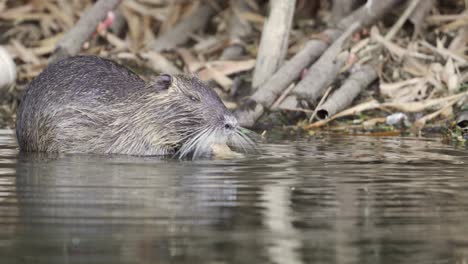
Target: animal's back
<point>68,92</point>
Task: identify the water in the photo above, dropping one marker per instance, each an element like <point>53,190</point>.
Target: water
<point>321,200</point>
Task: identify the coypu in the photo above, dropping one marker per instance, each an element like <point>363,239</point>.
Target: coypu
<point>87,104</point>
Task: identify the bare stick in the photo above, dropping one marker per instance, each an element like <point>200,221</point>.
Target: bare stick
<point>238,28</point>
<point>274,42</point>
<point>182,31</point>
<point>324,70</point>
<point>460,40</point>
<point>462,120</point>
<point>372,104</point>
<point>419,14</point>
<point>421,122</point>
<point>396,27</point>
<point>324,97</point>
<point>282,96</point>
<point>344,96</point>
<point>267,93</point>
<point>445,52</point>
<point>73,40</point>
<point>412,107</point>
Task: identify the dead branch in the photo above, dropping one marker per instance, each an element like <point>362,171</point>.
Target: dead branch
<point>445,53</point>
<point>419,124</point>
<point>394,48</point>
<point>324,70</point>
<point>405,107</point>
<point>118,25</point>
<point>238,28</point>
<point>227,67</point>
<point>319,105</point>
<point>422,105</point>
<point>73,40</point>
<point>459,42</point>
<point>373,104</point>
<point>344,96</point>
<point>396,27</point>
<point>419,15</point>
<point>462,120</point>
<point>274,40</point>
<point>182,31</point>
<point>341,8</point>
<point>267,93</point>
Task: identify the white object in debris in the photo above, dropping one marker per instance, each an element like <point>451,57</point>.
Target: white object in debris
<point>397,119</point>
<point>7,69</point>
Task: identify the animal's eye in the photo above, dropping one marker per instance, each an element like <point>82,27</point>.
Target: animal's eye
<point>193,98</point>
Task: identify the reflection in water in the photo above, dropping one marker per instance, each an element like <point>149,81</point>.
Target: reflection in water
<point>119,200</point>
<point>332,200</point>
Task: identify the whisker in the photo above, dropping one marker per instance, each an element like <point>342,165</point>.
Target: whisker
<point>202,142</point>
<point>188,146</point>
<point>241,140</point>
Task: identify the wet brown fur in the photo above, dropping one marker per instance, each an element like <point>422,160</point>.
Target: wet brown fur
<point>90,104</point>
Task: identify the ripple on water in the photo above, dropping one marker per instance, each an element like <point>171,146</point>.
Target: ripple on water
<point>327,200</point>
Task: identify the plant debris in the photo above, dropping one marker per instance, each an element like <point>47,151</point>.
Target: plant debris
<point>412,55</point>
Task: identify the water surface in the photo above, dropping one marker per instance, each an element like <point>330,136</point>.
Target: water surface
<point>319,200</point>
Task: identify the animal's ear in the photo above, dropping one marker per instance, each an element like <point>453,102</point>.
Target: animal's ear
<point>163,81</point>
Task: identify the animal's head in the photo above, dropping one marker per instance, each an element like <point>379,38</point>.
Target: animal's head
<point>196,116</point>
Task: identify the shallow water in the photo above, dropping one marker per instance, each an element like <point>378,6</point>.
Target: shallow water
<point>322,200</point>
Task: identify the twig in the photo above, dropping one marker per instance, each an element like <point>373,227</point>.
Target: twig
<point>224,81</point>
<point>459,42</point>
<point>395,49</point>
<point>324,97</point>
<point>73,40</point>
<point>374,104</point>
<point>421,105</point>
<point>421,122</point>
<point>24,53</point>
<point>419,14</point>
<point>227,67</point>
<point>392,32</point>
<point>282,96</point>
<point>444,18</point>
<point>445,52</point>
<point>296,109</point>
<point>118,43</point>
<point>267,93</point>
<point>350,111</point>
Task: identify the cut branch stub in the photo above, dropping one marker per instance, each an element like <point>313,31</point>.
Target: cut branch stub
<point>344,96</point>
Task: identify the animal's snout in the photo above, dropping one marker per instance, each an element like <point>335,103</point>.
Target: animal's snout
<point>230,122</point>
